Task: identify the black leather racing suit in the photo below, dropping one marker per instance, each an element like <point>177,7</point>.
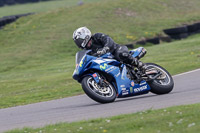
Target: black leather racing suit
<point>121,53</point>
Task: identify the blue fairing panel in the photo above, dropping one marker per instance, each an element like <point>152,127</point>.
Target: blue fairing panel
<point>128,87</point>
<point>124,86</point>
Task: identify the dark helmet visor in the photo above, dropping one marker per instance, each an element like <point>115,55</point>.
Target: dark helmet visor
<point>79,42</point>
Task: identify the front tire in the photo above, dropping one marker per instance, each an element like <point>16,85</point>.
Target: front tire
<point>162,84</point>
<point>96,92</point>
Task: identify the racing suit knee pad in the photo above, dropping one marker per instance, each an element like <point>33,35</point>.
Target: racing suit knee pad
<point>127,58</point>
<point>123,56</point>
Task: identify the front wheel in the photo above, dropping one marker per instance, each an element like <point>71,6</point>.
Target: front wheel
<point>101,94</point>
<point>164,83</point>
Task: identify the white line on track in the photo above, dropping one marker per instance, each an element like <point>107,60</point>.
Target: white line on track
<point>186,72</point>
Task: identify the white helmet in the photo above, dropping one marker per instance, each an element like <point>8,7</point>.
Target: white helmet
<point>81,37</point>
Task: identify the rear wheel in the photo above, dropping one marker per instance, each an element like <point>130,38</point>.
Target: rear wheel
<point>102,94</point>
<point>164,83</point>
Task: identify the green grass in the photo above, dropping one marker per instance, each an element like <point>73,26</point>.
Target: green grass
<point>39,7</point>
<point>37,52</point>
<point>180,119</point>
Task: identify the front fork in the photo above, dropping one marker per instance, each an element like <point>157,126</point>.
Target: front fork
<point>98,79</point>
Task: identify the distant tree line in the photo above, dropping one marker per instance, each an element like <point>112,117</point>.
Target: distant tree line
<point>12,2</point>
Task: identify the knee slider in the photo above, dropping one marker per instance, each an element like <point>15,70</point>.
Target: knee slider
<point>123,55</point>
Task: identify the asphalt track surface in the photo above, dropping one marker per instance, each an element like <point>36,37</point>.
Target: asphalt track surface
<point>186,91</point>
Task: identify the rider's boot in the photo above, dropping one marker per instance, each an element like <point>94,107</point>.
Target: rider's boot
<point>129,59</point>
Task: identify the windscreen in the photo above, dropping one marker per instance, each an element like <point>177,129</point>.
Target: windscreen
<point>79,56</point>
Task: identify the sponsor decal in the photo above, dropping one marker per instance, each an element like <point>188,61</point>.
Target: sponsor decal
<point>140,54</point>
<point>143,83</point>
<point>94,75</point>
<point>131,89</point>
<point>140,89</point>
<point>117,74</point>
<point>132,83</point>
<point>104,66</point>
<point>110,69</point>
<point>123,89</point>
<point>109,60</point>
<point>122,86</point>
<point>83,59</point>
<point>81,63</point>
<point>125,93</point>
<point>99,61</point>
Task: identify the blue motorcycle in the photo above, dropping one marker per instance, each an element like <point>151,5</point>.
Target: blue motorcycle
<point>104,78</point>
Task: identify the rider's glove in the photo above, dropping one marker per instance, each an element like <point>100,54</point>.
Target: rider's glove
<point>103,51</point>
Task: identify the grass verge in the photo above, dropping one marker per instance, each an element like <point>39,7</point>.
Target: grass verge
<point>180,119</point>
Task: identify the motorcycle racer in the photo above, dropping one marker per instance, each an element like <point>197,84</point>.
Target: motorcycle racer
<point>100,44</point>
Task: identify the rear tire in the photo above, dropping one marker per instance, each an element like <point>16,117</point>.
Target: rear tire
<point>97,93</point>
<point>164,83</point>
